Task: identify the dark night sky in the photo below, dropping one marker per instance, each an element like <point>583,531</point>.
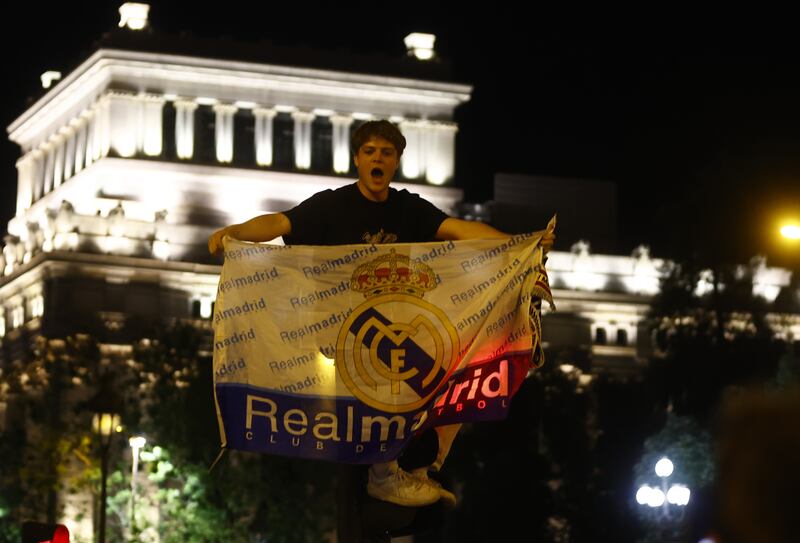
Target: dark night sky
<point>697,119</point>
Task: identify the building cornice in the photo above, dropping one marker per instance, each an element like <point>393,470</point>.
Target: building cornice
<point>230,81</point>
<point>112,268</point>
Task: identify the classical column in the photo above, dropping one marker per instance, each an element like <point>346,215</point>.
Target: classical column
<point>124,118</point>
<point>25,182</point>
<point>98,126</point>
<point>263,135</point>
<point>223,131</point>
<point>341,142</point>
<point>49,152</point>
<point>102,133</point>
<point>440,160</point>
<point>415,155</point>
<point>302,139</point>
<point>150,126</point>
<point>80,142</point>
<point>69,150</point>
<point>37,173</point>
<point>58,165</point>
<point>184,128</point>
<point>90,136</point>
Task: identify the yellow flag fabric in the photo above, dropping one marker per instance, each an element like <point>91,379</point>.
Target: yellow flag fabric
<point>342,353</point>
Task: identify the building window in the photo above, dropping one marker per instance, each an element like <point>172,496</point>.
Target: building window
<point>205,134</point>
<point>600,336</point>
<point>283,133</point>
<point>322,145</point>
<point>195,309</point>
<point>622,337</point>
<point>244,138</point>
<point>168,135</point>
<point>353,170</point>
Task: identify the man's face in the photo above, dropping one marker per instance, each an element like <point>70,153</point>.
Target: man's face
<point>376,160</point>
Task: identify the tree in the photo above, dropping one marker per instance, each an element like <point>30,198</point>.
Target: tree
<point>46,439</point>
<point>165,382</point>
<point>689,447</point>
<point>711,332</point>
<point>290,500</point>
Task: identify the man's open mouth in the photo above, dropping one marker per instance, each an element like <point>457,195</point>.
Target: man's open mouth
<point>377,172</point>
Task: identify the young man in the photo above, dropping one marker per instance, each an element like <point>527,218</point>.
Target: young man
<point>369,211</point>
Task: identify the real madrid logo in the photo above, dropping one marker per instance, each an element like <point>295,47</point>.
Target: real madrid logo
<point>395,349</point>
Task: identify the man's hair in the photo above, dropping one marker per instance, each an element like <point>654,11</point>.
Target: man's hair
<point>382,128</point>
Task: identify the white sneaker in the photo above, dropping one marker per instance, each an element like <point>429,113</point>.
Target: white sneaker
<point>445,495</point>
<point>401,488</point>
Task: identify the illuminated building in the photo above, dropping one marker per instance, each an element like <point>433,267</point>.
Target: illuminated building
<point>132,159</point>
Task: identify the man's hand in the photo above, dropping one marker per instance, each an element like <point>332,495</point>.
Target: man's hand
<point>215,239</point>
<point>452,228</point>
<point>258,229</point>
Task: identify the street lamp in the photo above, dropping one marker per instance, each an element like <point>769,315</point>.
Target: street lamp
<point>104,422</point>
<point>137,443</point>
<point>791,231</point>
<point>655,497</point>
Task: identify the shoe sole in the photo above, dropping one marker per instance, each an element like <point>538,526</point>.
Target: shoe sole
<point>375,493</point>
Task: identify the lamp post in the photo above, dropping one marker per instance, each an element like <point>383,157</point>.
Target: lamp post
<point>660,497</point>
<point>137,443</point>
<point>104,422</point>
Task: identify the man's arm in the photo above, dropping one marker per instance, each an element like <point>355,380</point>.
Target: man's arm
<point>261,228</point>
<point>452,228</point>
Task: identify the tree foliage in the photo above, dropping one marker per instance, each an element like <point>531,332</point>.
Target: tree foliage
<point>711,332</point>
<point>164,383</point>
<point>289,500</point>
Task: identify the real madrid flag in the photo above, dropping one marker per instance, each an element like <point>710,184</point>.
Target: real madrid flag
<point>342,353</point>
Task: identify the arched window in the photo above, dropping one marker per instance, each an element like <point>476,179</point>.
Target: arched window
<point>600,336</point>
<point>195,309</point>
<point>622,337</point>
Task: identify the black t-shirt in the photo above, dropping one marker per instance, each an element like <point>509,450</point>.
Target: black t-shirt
<point>344,216</point>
